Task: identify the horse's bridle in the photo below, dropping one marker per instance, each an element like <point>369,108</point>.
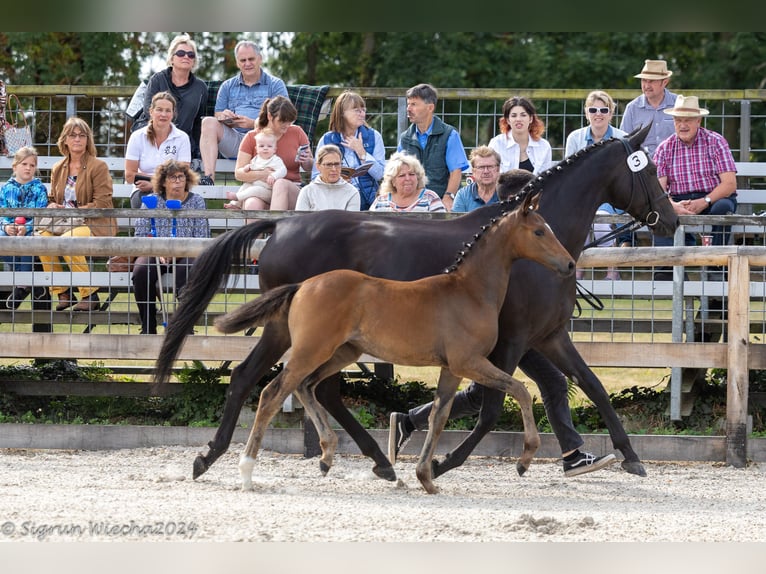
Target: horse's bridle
<point>652,216</point>
<point>651,219</point>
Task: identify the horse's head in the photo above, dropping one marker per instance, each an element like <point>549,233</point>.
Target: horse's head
<point>532,238</point>
<point>637,189</point>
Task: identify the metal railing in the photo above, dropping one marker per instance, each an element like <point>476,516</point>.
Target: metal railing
<point>740,115</point>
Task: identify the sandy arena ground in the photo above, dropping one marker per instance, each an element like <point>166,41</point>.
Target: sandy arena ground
<point>148,495</point>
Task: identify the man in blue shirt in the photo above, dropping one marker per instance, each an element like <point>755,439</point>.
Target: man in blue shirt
<point>650,106</point>
<point>436,145</point>
<point>237,107</point>
<point>485,168</point>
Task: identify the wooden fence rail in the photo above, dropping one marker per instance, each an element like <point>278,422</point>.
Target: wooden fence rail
<point>737,354</point>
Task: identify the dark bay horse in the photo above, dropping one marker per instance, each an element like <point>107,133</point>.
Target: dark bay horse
<point>533,322</point>
<point>450,320</point>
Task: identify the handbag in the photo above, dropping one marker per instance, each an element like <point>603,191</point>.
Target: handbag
<point>119,264</point>
<point>58,225</point>
<point>16,135</point>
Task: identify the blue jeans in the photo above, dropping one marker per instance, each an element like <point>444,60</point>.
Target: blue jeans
<point>720,233</point>
<point>19,262</point>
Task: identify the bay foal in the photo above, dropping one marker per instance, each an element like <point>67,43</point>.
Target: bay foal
<point>448,320</point>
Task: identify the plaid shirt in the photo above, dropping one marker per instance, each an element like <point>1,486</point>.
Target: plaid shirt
<point>694,167</point>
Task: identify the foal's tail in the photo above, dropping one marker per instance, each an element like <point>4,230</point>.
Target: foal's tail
<point>272,305</point>
<point>210,270</point>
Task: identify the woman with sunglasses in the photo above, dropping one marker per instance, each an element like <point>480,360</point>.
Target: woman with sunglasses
<point>521,144</point>
<point>188,90</point>
<point>599,108</point>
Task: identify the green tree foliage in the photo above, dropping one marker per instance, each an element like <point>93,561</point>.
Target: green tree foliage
<point>700,60</point>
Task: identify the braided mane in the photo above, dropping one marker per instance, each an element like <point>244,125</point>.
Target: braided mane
<point>534,187</point>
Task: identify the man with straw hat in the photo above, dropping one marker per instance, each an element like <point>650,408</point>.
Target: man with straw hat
<point>696,167</point>
<point>648,108</point>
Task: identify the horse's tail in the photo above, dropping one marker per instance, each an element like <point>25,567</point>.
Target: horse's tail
<point>210,270</point>
<point>273,305</point>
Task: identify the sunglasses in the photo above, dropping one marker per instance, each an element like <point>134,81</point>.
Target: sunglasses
<point>599,110</point>
<point>187,53</point>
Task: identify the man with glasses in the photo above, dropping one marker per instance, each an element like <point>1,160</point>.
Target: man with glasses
<point>237,107</point>
<point>650,106</point>
<point>485,165</point>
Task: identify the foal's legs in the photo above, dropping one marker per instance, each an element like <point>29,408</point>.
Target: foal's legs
<point>328,439</point>
<point>484,372</point>
<point>273,343</point>
<point>445,394</point>
<point>328,394</point>
<point>271,399</point>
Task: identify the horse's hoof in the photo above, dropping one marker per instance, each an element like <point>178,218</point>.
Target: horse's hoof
<point>385,472</point>
<point>324,468</point>
<point>431,488</point>
<point>635,467</point>
<point>521,469</point>
<point>200,467</point>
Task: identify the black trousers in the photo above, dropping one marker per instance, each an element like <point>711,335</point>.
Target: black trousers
<point>145,290</point>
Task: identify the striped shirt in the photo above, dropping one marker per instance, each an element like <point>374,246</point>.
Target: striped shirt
<point>694,167</point>
<point>427,200</point>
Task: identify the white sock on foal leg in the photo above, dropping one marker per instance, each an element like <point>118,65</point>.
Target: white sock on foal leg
<point>246,465</point>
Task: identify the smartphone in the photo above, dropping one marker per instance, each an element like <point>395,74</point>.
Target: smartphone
<point>300,150</point>
<point>142,177</point>
<point>228,121</point>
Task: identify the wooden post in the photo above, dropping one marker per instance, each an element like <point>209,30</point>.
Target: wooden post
<point>737,361</point>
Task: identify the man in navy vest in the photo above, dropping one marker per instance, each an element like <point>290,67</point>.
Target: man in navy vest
<point>437,145</point>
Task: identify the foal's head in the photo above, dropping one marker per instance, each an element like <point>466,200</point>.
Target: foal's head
<point>521,232</point>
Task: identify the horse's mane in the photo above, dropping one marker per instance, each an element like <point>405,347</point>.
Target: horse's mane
<point>507,206</point>
<point>534,187</point>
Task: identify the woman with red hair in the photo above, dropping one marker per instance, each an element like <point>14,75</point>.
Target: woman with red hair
<point>521,144</point>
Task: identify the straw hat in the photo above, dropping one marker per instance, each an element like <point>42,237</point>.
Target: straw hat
<point>687,106</point>
<point>654,70</point>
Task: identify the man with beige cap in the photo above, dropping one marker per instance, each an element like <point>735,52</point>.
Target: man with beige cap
<point>649,107</point>
<point>696,167</point>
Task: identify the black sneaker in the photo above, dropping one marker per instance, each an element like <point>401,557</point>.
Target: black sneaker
<point>16,297</point>
<point>587,462</point>
<point>398,435</point>
<point>206,180</point>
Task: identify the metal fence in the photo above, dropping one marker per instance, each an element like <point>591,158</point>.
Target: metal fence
<point>738,114</point>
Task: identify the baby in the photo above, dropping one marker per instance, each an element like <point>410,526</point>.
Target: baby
<point>265,158</point>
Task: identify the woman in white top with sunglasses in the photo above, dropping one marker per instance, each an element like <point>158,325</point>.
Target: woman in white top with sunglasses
<point>599,109</point>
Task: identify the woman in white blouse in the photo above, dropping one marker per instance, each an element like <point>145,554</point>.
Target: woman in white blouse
<point>520,143</point>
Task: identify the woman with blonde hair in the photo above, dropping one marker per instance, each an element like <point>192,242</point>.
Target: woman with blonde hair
<point>79,181</point>
<point>188,90</point>
<point>404,187</point>
<point>150,146</point>
<point>599,109</point>
<point>521,144</point>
